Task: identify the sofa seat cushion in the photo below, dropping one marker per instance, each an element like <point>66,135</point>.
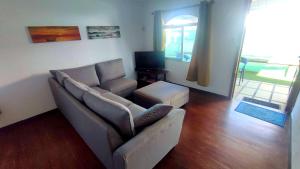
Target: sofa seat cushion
<point>110,70</point>
<point>85,74</point>
<point>117,99</point>
<point>151,115</point>
<point>99,90</point>
<point>115,113</point>
<point>76,89</point>
<point>122,87</point>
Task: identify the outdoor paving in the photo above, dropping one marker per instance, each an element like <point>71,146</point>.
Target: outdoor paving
<point>268,92</point>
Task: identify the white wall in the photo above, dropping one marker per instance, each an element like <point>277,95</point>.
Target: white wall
<point>227,27</point>
<point>24,90</point>
<point>296,135</point>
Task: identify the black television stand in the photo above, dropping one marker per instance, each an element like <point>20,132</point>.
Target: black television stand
<point>148,76</point>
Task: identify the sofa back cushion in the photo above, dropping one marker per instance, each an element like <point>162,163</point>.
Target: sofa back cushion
<point>59,76</point>
<point>110,70</point>
<point>76,89</point>
<point>86,75</point>
<point>115,113</point>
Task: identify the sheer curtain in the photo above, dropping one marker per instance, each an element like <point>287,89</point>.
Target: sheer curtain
<point>272,31</point>
<point>273,35</point>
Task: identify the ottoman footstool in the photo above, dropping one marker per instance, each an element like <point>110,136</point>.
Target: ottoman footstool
<point>162,92</point>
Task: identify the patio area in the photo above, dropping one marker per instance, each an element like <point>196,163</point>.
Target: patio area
<point>269,60</point>
<point>267,71</point>
<point>269,92</point>
<point>266,80</point>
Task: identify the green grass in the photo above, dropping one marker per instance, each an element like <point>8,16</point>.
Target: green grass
<point>257,67</point>
<point>254,76</point>
<point>253,68</point>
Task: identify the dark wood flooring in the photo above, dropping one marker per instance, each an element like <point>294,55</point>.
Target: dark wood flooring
<point>214,136</point>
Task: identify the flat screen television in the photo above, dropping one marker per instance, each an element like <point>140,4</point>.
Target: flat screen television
<point>149,60</point>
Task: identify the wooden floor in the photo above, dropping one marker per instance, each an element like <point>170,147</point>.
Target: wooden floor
<point>213,137</point>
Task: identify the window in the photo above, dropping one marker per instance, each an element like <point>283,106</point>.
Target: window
<point>180,33</point>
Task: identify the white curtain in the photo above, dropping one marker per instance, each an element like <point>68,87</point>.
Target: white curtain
<point>272,30</point>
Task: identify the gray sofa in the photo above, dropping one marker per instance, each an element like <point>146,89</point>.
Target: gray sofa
<point>140,150</point>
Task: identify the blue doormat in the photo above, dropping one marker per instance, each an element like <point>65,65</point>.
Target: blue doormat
<point>262,113</point>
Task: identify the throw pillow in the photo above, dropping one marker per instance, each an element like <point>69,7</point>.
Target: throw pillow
<point>152,115</point>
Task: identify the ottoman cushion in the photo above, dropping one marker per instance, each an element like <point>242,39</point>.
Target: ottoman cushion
<point>162,92</point>
<point>122,87</point>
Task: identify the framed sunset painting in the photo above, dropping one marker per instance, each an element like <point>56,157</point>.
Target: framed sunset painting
<point>40,34</point>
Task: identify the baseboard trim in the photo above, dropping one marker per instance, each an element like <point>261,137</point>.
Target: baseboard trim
<point>28,119</point>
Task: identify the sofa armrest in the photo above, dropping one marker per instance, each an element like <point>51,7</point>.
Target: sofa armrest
<point>147,148</point>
